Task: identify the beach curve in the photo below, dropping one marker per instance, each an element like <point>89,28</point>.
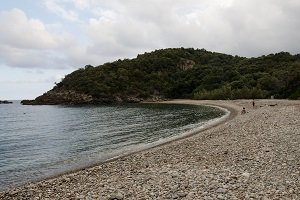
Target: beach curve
<point>214,164</point>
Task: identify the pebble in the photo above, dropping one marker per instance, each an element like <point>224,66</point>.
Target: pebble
<point>182,194</point>
<point>246,174</point>
<point>221,190</point>
<point>117,196</point>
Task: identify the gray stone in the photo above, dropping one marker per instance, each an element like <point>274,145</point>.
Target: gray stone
<point>117,196</point>
<point>182,194</point>
<point>221,190</point>
<point>246,174</point>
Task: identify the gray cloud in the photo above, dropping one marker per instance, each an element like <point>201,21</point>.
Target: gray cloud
<point>246,28</point>
<point>123,28</point>
<point>263,27</point>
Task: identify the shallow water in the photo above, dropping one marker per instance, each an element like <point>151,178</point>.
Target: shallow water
<point>41,141</point>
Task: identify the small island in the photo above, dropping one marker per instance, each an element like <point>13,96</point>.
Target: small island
<point>5,102</point>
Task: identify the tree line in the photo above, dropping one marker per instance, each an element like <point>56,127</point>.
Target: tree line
<point>190,73</point>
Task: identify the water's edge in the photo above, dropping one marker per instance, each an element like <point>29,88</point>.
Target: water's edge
<point>209,124</point>
<point>142,147</point>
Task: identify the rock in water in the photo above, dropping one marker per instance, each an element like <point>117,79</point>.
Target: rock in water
<point>5,102</point>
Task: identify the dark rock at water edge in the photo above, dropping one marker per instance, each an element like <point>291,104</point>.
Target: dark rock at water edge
<point>59,97</point>
<point>71,97</point>
<point>5,102</point>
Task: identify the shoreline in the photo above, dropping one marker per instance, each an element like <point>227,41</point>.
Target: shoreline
<point>118,155</point>
<point>210,124</point>
<point>230,160</point>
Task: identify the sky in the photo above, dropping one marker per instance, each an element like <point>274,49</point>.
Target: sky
<point>41,41</point>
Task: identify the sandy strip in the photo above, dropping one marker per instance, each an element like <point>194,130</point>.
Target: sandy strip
<point>250,156</point>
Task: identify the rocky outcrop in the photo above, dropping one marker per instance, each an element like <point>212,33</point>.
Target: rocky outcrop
<point>5,102</point>
<point>70,97</point>
<point>65,97</point>
<point>186,64</point>
<point>136,99</point>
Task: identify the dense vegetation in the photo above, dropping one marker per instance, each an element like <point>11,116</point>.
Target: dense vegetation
<point>190,73</point>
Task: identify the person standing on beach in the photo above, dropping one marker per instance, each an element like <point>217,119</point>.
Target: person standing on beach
<point>243,111</point>
<point>253,103</point>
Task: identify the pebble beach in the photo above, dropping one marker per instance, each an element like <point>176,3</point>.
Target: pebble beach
<point>255,155</point>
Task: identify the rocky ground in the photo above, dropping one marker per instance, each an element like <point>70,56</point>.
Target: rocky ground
<point>250,156</point>
<point>71,97</point>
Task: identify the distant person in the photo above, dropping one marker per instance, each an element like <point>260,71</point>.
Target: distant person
<point>253,103</point>
<point>243,111</point>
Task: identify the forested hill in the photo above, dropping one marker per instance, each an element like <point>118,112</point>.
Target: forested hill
<point>180,73</point>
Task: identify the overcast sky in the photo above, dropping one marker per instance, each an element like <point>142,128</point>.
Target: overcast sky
<point>43,40</point>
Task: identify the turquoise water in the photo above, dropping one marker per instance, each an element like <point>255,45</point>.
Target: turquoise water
<point>41,141</point>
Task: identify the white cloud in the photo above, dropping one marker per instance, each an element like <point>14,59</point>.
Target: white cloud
<point>118,29</point>
<point>98,31</point>
<point>19,31</point>
<point>58,78</point>
<point>247,27</point>
<point>32,58</point>
<point>135,26</point>
<point>262,27</point>
<point>57,7</point>
<point>29,43</point>
<point>81,4</point>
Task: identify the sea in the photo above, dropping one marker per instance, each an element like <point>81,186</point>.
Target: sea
<point>37,142</point>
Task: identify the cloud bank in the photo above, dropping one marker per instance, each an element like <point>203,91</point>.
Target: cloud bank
<point>109,30</point>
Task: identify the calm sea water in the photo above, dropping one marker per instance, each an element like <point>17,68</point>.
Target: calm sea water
<point>41,141</point>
